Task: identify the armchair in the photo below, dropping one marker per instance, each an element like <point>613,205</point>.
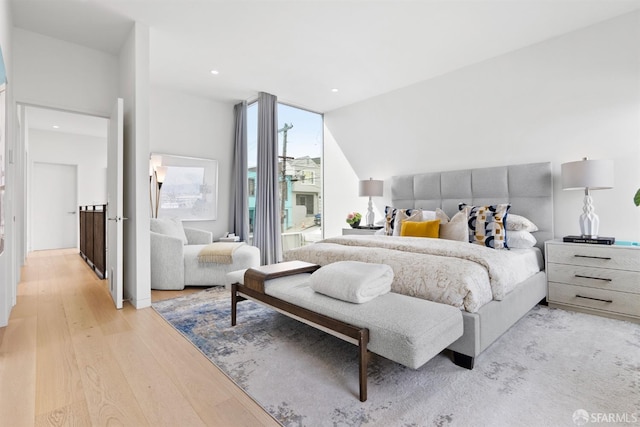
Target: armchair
<point>174,257</point>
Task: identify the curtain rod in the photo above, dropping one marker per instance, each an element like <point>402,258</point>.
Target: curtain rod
<point>254,99</point>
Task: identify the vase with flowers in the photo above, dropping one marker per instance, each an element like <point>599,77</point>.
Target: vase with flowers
<point>353,219</point>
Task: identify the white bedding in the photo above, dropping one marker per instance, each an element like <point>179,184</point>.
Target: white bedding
<point>460,274</point>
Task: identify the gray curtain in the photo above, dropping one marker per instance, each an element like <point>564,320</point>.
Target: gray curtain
<point>266,230</point>
<point>240,205</point>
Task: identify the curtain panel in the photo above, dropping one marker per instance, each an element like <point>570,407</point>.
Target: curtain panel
<point>267,229</point>
<point>240,190</point>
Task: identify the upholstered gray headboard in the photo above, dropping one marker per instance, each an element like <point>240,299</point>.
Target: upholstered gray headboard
<point>529,189</point>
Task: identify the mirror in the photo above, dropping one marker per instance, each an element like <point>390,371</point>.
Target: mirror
<point>183,187</point>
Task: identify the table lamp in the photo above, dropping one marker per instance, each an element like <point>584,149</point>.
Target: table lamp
<point>370,188</point>
<point>588,175</point>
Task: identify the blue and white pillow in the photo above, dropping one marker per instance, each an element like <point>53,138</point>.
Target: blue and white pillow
<point>487,224</point>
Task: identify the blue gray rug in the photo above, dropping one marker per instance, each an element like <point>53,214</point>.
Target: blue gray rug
<point>553,368</point>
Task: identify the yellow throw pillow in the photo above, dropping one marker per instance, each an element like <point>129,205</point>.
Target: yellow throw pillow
<point>420,229</point>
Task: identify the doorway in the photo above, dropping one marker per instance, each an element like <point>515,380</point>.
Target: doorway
<point>55,201</point>
<point>58,142</point>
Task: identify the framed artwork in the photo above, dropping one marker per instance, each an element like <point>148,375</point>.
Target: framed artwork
<point>183,187</point>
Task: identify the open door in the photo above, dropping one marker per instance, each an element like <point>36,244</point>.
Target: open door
<point>115,142</point>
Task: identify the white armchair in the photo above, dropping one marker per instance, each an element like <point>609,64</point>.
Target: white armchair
<point>174,257</point>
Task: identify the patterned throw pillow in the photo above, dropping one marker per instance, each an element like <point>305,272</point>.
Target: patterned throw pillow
<point>487,224</point>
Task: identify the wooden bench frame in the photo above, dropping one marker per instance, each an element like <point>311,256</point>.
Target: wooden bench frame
<point>253,289</point>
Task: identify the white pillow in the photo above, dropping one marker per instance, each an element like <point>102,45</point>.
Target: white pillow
<point>517,223</point>
<point>442,216</point>
<point>520,239</point>
<point>456,229</point>
<point>169,227</point>
<point>428,215</point>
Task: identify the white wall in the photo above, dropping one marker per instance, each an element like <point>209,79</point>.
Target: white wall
<point>56,73</point>
<point>134,89</point>
<point>89,153</point>
<point>186,125</point>
<point>340,188</point>
<point>573,96</point>
<point>8,259</point>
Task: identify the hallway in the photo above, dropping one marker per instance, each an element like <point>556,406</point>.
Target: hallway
<point>68,357</point>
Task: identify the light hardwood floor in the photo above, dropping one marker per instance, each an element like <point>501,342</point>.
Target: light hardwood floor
<point>68,357</point>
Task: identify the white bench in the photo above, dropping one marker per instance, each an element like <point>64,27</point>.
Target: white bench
<point>407,330</point>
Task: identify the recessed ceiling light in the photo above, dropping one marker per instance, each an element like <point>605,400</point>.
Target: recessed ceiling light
<point>334,90</point>
<point>56,127</point>
<point>215,72</point>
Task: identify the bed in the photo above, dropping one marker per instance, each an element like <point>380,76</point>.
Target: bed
<point>529,190</point>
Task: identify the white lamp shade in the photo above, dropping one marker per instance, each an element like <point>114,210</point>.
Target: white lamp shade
<point>161,173</point>
<point>155,160</point>
<point>591,174</point>
<point>371,188</point>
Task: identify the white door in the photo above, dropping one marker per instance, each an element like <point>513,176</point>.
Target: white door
<point>115,180</point>
<point>55,206</point>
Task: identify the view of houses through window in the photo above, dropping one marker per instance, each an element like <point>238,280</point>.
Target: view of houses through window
<point>300,173</point>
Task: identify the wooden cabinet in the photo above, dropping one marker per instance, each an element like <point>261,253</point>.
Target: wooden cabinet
<point>596,279</point>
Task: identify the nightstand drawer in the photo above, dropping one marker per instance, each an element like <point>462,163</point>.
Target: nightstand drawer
<point>359,231</point>
<point>611,301</point>
<point>602,278</point>
<point>594,256</point>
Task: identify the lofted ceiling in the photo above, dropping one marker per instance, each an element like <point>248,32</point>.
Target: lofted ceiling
<point>301,50</point>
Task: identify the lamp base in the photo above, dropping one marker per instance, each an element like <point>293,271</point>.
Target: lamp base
<point>589,225</point>
<point>371,216</point>
<point>589,221</point>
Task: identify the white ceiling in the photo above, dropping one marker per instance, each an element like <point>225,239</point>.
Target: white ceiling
<point>300,50</point>
<point>46,119</point>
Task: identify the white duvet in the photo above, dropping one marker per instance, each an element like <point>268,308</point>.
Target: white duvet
<point>460,274</point>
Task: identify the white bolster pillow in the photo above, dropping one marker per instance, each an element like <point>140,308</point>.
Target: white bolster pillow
<point>352,281</point>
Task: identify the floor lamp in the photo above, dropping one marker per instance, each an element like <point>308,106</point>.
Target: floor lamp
<point>370,188</point>
<point>161,173</point>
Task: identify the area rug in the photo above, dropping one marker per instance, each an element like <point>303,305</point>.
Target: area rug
<point>553,368</point>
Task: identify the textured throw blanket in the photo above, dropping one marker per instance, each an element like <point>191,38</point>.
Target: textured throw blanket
<point>352,281</point>
<point>449,272</point>
<point>218,252</point>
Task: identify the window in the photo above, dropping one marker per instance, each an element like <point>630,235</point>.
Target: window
<point>300,172</point>
<point>252,187</point>
<point>306,200</point>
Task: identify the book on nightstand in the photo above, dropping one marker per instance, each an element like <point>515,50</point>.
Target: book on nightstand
<point>591,240</point>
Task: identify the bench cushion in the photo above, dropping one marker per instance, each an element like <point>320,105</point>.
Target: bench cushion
<point>407,330</point>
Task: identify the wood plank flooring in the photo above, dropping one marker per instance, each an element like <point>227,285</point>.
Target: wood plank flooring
<point>68,357</point>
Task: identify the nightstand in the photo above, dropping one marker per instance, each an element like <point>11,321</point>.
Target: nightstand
<point>595,279</point>
<point>362,231</point>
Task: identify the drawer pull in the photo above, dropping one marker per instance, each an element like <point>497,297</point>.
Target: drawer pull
<point>594,278</point>
<point>595,299</point>
<point>606,258</point>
